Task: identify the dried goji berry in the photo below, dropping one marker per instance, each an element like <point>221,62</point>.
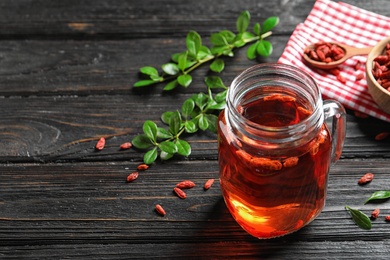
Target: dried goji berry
<point>360,114</point>
<point>186,184</point>
<point>266,163</point>
<point>366,178</point>
<point>339,56</point>
<point>358,65</point>
<point>313,55</point>
<point>381,59</point>
<point>375,213</point>
<point>359,76</point>
<point>160,210</point>
<point>125,146</point>
<point>208,184</point>
<point>382,136</point>
<point>290,162</point>
<point>100,144</point>
<point>303,112</point>
<point>335,71</point>
<point>260,162</point>
<point>180,193</point>
<point>142,167</point>
<point>341,79</point>
<point>279,97</point>
<point>315,148</point>
<point>320,54</point>
<point>132,176</point>
<point>385,83</point>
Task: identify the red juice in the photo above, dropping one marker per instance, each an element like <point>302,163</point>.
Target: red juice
<point>271,195</point>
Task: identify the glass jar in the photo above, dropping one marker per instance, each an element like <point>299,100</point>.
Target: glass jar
<point>275,149</point>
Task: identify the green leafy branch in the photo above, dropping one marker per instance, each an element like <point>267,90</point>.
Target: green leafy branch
<point>196,113</point>
<point>200,110</point>
<point>177,72</point>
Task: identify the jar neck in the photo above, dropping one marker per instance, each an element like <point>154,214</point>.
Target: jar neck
<point>265,80</point>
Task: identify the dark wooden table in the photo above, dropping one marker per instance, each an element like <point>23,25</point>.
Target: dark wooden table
<point>67,70</point>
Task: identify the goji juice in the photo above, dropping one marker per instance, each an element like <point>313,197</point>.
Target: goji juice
<point>273,195</point>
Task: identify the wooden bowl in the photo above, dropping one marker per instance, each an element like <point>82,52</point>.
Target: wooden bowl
<point>380,95</point>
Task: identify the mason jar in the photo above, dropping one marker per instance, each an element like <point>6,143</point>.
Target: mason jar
<point>275,149</point>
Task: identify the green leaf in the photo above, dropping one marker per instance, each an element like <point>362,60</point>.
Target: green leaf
<point>175,56</point>
<point>182,61</point>
<point>187,107</point>
<point>203,122</point>
<point>165,156</point>
<point>379,195</point>
<point>270,23</point>
<point>200,100</point>
<point>168,147</point>
<point>212,120</point>
<point>220,50</point>
<point>150,156</point>
<point>243,21</point>
<point>183,147</point>
<point>163,133</point>
<point>239,43</point>
<point>264,48</point>
<point>252,51</point>
<point>190,127</point>
<point>166,116</point>
<point>221,97</point>
<point>216,106</point>
<point>148,70</point>
<point>204,53</point>
<point>193,42</point>
<point>141,142</point>
<point>171,85</point>
<point>175,123</point>
<point>247,36</point>
<point>214,82</point>
<point>184,80</point>
<point>257,29</point>
<point>150,129</point>
<point>170,68</point>
<point>217,65</point>
<point>195,121</point>
<point>145,82</point>
<point>361,219</point>
<point>228,35</point>
<point>218,39</point>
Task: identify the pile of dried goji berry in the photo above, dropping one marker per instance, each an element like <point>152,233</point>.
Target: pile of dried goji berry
<point>325,52</point>
<point>328,52</point>
<point>381,66</point>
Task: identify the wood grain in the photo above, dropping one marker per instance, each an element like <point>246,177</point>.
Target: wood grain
<point>67,71</point>
<point>64,205</point>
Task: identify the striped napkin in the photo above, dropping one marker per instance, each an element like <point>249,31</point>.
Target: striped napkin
<point>340,22</point>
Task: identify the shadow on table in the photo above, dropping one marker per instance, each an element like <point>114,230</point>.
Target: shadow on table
<point>221,236</point>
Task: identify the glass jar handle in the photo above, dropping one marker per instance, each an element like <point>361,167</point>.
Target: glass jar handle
<point>334,109</point>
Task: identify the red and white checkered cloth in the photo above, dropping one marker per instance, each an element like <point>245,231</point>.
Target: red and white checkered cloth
<point>340,22</point>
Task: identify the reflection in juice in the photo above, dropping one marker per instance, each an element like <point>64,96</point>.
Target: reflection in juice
<point>273,196</point>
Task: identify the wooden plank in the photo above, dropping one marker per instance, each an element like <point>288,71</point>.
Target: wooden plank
<point>216,250</point>
<point>66,128</point>
<point>133,19</point>
<point>100,67</point>
<point>89,205</point>
<point>129,19</point>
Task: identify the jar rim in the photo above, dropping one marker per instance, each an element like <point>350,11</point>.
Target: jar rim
<point>314,119</point>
